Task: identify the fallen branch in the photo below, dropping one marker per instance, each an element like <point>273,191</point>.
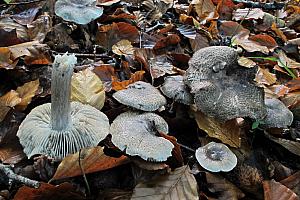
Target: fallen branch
<point>6,169</point>
<point>266,6</point>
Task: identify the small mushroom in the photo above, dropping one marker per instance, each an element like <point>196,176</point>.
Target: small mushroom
<point>216,157</point>
<point>142,96</point>
<point>78,11</point>
<point>62,128</point>
<point>175,88</point>
<point>278,115</point>
<point>221,88</point>
<point>136,134</point>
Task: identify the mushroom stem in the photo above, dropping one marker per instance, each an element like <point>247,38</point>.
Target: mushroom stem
<point>60,92</point>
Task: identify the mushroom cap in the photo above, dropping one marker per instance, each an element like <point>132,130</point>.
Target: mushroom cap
<point>135,133</point>
<point>78,11</point>
<point>216,157</point>
<point>278,115</point>
<point>142,96</point>
<point>175,88</point>
<point>89,127</point>
<point>222,89</point>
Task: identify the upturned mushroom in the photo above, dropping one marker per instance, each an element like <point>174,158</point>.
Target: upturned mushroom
<point>278,115</point>
<point>216,157</point>
<point>136,134</point>
<point>78,11</point>
<point>142,96</point>
<point>221,88</point>
<point>174,88</point>
<point>62,128</point>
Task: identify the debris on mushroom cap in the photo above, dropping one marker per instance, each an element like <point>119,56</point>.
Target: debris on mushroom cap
<point>175,88</point>
<point>222,89</point>
<point>89,127</point>
<point>78,11</point>
<point>142,96</point>
<point>135,133</point>
<point>278,115</point>
<point>216,157</point>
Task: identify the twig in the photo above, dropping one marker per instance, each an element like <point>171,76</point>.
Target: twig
<point>266,6</point>
<point>6,169</point>
<point>83,174</point>
<point>84,55</point>
<point>186,147</point>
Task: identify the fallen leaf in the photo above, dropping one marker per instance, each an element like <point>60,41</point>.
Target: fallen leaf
<point>275,190</point>
<point>293,182</point>
<point>290,145</point>
<point>263,76</point>
<point>279,90</point>
<point>91,159</point>
<point>27,16</point>
<point>123,47</point>
<point>26,92</point>
<point>159,66</point>
<point>108,35</point>
<point>38,29</point>
<point>293,84</point>
<point>246,62</point>
<point>8,101</point>
<point>248,13</point>
<point>222,187</point>
<point>106,2</point>
<point>120,85</point>
<point>204,8</point>
<point>179,184</point>
<point>199,42</point>
<point>229,132</point>
<point>9,24</point>
<point>264,40</point>
<point>285,61</point>
<point>64,191</point>
<point>278,32</point>
<point>164,42</point>
<point>11,36</point>
<point>5,59</point>
<point>12,152</point>
<point>187,31</point>
<point>87,88</point>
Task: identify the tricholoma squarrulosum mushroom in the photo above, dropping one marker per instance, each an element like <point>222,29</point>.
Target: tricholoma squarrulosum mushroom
<point>222,89</point>
<point>62,127</point>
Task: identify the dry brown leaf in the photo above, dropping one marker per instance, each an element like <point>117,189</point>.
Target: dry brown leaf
<point>263,76</point>
<point>204,8</point>
<point>26,92</point>
<point>5,59</point>
<point>178,184</point>
<point>246,62</point>
<point>199,42</point>
<point>164,42</point>
<point>293,84</point>
<point>159,66</point>
<point>249,45</point>
<point>279,90</point>
<point>12,152</point>
<point>293,182</point>
<point>7,101</point>
<point>10,24</point>
<point>278,32</point>
<point>286,61</point>
<point>120,85</point>
<point>225,189</point>
<point>275,190</point>
<point>24,49</point>
<point>64,191</point>
<point>292,99</point>
<point>264,40</point>
<point>87,88</point>
<point>123,47</point>
<point>228,133</point>
<point>92,160</point>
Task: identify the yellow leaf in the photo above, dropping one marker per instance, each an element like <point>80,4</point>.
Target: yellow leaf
<point>123,47</point>
<point>87,88</point>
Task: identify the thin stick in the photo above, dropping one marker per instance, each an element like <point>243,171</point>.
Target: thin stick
<point>186,147</point>
<point>83,174</point>
<point>15,177</point>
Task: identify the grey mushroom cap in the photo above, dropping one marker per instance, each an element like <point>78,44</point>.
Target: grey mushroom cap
<point>142,96</point>
<point>278,115</point>
<point>175,88</point>
<point>216,157</point>
<point>78,11</point>
<point>89,126</point>
<point>136,134</point>
<point>221,88</point>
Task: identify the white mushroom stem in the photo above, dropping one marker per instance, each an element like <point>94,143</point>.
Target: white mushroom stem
<point>60,93</point>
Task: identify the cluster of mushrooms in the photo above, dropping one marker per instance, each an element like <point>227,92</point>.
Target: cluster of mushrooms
<point>214,82</point>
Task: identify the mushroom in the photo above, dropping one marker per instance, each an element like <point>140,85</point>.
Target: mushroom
<point>62,128</point>
<point>216,157</point>
<point>175,88</point>
<point>78,11</point>
<point>136,134</point>
<point>278,115</point>
<point>142,96</point>
<point>221,88</point>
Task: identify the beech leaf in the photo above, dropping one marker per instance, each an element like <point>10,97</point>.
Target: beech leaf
<point>275,190</point>
<point>179,183</point>
<point>87,88</point>
<point>123,47</point>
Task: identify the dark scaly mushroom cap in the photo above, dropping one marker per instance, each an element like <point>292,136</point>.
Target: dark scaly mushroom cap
<point>136,134</point>
<point>78,11</point>
<point>216,157</point>
<point>142,96</point>
<point>278,115</point>
<point>174,88</point>
<point>221,88</point>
